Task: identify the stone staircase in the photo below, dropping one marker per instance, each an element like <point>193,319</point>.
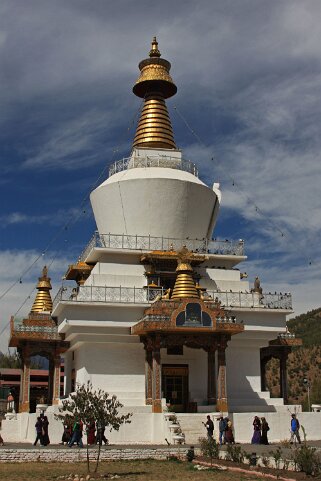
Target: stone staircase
<point>191,425</point>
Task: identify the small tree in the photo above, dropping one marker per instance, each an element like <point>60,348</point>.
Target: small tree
<point>209,448</point>
<point>87,405</point>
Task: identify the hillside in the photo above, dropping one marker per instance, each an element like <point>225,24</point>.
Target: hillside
<point>303,363</point>
<point>308,327</point>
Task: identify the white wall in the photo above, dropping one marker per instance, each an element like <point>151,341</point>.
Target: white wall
<point>144,428</point>
<point>113,367</point>
<point>117,274</point>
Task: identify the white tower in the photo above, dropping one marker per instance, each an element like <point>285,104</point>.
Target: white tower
<point>155,191</point>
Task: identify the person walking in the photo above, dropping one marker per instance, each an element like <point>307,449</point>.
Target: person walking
<point>76,435</point>
<point>229,437</point>
<point>45,426</point>
<point>66,436</point>
<point>222,429</point>
<point>264,430</point>
<point>101,434</point>
<point>90,430</point>
<point>209,427</point>
<point>256,438</point>
<point>39,433</point>
<point>295,426</point>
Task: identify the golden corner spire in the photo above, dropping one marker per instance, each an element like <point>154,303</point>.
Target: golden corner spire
<point>43,302</point>
<point>154,84</point>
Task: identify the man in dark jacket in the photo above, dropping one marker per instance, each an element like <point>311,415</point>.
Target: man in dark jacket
<point>209,427</point>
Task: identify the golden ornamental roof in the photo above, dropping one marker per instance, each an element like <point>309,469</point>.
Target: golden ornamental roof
<point>184,285</point>
<point>43,301</point>
<point>154,84</point>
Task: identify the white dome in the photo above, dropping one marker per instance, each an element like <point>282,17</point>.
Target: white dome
<point>156,201</point>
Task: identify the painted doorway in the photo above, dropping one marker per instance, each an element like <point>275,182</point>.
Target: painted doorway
<point>175,386</point>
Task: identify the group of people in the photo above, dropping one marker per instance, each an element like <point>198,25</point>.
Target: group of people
<point>260,433</point>
<point>260,430</point>
<point>42,426</point>
<point>73,433</point>
<point>225,429</point>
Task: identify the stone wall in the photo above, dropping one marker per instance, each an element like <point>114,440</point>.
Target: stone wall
<point>67,455</point>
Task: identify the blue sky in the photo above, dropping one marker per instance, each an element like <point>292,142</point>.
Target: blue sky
<point>248,74</point>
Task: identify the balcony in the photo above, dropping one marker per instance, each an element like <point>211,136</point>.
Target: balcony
<point>145,296</point>
<point>153,161</point>
<point>150,243</point>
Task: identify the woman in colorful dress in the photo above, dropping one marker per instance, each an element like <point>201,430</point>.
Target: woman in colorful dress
<point>256,438</point>
<point>91,428</point>
<point>229,437</point>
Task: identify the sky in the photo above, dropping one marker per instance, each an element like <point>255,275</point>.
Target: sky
<point>248,74</point>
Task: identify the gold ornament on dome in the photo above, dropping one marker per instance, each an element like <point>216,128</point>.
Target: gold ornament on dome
<point>43,301</point>
<point>154,84</point>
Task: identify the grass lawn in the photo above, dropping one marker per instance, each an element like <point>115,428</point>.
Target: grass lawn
<point>148,470</point>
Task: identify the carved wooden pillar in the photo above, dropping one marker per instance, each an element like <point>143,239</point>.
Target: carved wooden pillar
<point>25,383</point>
<point>221,404</point>
<point>50,380</point>
<point>56,379</point>
<point>284,378</point>
<point>211,375</point>
<point>148,372</point>
<point>157,401</point>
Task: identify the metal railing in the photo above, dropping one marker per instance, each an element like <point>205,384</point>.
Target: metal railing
<point>50,332</point>
<point>150,243</point>
<point>137,295</point>
<point>153,161</point>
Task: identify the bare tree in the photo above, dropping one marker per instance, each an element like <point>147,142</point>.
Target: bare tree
<point>88,405</point>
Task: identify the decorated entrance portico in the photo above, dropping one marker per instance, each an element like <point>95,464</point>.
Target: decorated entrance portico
<point>183,318</point>
<point>38,335</point>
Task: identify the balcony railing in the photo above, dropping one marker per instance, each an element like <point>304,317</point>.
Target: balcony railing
<point>153,161</point>
<point>150,243</point>
<point>133,295</point>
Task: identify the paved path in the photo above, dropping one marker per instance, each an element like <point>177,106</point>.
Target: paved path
<point>258,448</point>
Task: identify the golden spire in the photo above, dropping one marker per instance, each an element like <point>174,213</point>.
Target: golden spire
<point>184,285</point>
<point>43,302</point>
<point>154,84</point>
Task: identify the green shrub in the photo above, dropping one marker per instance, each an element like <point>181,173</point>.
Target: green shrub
<point>306,460</point>
<point>209,448</point>
<point>234,453</point>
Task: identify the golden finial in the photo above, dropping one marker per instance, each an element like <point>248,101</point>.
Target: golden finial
<point>184,284</point>
<point>154,84</point>
<point>43,302</point>
<point>154,52</point>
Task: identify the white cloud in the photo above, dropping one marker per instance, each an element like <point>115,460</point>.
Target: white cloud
<point>59,218</point>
